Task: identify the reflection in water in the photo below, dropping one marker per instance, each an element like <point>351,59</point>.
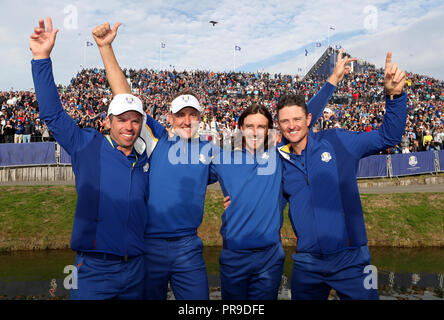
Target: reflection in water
<point>402,273</point>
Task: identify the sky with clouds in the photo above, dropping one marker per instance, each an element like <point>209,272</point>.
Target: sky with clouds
<point>272,35</point>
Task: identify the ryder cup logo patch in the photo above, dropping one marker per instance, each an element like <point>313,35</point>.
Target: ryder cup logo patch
<point>146,167</point>
<point>326,157</point>
<point>202,158</point>
<point>413,161</point>
<point>129,100</point>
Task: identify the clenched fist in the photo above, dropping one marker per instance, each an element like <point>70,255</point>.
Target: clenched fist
<point>104,35</point>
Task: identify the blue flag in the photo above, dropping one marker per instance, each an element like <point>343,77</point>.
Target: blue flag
<point>237,48</point>
<point>162,45</point>
<point>306,52</point>
<point>89,44</point>
<point>318,44</point>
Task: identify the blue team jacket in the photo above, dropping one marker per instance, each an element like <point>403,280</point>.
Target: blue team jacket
<point>112,190</point>
<point>178,182</point>
<point>325,207</point>
<point>254,183</point>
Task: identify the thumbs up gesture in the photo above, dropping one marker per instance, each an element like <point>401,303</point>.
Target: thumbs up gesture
<point>104,35</point>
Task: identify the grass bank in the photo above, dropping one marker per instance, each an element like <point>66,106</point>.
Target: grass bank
<point>40,217</point>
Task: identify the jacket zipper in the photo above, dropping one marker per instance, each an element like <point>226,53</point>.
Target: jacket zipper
<point>129,209</point>
<point>312,207</point>
<point>314,218</point>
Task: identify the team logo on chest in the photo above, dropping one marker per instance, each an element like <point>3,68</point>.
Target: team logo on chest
<point>202,158</point>
<point>146,167</point>
<point>326,156</point>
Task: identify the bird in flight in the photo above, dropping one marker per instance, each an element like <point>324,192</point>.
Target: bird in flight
<point>213,22</point>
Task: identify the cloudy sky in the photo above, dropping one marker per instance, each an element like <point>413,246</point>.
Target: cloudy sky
<point>272,35</point>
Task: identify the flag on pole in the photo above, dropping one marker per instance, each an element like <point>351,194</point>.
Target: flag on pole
<point>306,52</point>
<point>332,28</point>
<point>299,69</point>
<point>89,44</point>
<point>318,44</point>
<point>162,45</point>
<point>338,47</point>
<point>237,48</point>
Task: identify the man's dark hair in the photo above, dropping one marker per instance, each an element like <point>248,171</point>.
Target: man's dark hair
<point>254,109</point>
<point>292,100</point>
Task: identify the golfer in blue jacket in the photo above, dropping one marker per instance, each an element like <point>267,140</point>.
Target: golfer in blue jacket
<point>319,180</point>
<point>111,183</point>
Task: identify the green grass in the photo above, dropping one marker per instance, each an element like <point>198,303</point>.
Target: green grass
<point>37,217</point>
<point>41,217</point>
<point>406,219</point>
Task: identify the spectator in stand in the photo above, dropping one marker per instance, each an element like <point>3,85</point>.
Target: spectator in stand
<point>427,140</point>
<point>405,143</point>
<point>2,126</point>
<point>45,133</point>
<point>27,131</point>
<point>37,131</point>
<point>9,132</point>
<point>438,138</point>
<point>18,134</point>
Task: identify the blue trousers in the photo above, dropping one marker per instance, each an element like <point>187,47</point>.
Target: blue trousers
<point>314,275</point>
<point>179,261</point>
<point>99,279</point>
<point>251,274</point>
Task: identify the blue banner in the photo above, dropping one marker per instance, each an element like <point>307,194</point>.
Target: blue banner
<point>18,154</point>
<point>441,160</point>
<point>413,163</point>
<point>372,166</point>
<point>65,158</point>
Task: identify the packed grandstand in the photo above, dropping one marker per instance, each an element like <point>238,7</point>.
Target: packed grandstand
<point>357,103</point>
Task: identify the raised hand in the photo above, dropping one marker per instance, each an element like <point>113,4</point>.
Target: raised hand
<point>394,78</point>
<point>42,40</point>
<point>342,68</point>
<point>104,35</point>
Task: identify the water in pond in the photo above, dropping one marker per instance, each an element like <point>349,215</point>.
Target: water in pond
<point>402,273</point>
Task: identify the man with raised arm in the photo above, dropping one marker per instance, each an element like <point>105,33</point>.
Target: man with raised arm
<point>319,181</point>
<point>111,183</point>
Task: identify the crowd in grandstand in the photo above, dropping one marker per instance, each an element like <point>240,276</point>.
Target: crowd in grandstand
<point>357,104</point>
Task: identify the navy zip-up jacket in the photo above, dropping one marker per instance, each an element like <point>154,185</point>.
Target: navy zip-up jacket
<point>180,173</point>
<point>325,206</point>
<point>112,189</point>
